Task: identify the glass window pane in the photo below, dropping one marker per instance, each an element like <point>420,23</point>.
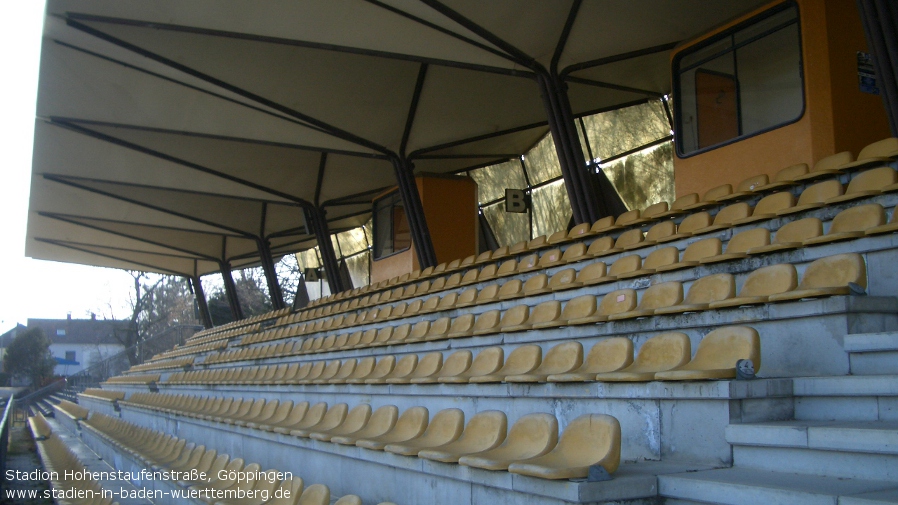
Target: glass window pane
<point>644,178</point>
<point>542,161</point>
<point>352,241</point>
<point>551,209</point>
<point>359,269</point>
<point>492,181</point>
<point>614,132</point>
<point>509,228</point>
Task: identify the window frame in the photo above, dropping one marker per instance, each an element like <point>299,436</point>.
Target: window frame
<point>396,202</point>
<point>676,72</point>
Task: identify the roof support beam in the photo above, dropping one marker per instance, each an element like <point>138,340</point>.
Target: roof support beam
<point>274,289</point>
<point>880,20</point>
<point>414,212</point>
<point>230,290</point>
<point>316,219</point>
<point>200,296</point>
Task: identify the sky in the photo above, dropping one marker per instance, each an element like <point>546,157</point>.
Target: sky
<point>31,288</point>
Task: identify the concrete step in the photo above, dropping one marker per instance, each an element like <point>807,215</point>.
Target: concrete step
<point>872,353</point>
<point>888,497</point>
<point>831,464</point>
<point>846,398</point>
<point>879,437</point>
<point>739,486</point>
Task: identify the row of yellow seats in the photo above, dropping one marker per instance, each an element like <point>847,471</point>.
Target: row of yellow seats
<point>102,394</point>
<point>158,450</point>
<point>239,325</point>
<point>531,447</point>
<point>178,351</point>
<point>204,337</point>
<point>145,379</point>
<point>866,184</point>
<point>60,461</point>
<point>876,153</point>
<point>163,364</point>
<point>667,356</point>
<point>832,275</point>
<point>71,410</point>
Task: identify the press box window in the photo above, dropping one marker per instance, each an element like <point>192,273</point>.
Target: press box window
<point>739,83</point>
<point>391,230</point>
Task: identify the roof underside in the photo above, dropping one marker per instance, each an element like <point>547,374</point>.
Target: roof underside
<point>172,135</point>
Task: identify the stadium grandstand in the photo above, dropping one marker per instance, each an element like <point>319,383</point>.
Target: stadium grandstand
<point>572,251</point>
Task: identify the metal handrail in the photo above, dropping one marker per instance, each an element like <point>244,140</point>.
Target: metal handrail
<point>4,440</point>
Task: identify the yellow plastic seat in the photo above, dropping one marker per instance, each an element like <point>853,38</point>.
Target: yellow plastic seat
<point>615,302</point>
<point>438,328</point>
<point>362,369</point>
<point>487,322</point>
<point>514,316</point>
<point>485,431</point>
<point>889,227</point>
<point>330,420</point>
<point>382,337</point>
<point>287,492</point>
<point>653,212</point>
<point>657,258</point>
<point>659,231</point>
<point>488,294</point>
<point>518,248</point>
<point>557,238</point>
<point>410,425</point>
<point>694,253</point>
<point>726,217</point>
<point>762,283</point>
<point>380,422</point>
<point>400,333</point>
<point>466,298</point>
<point>316,494</point>
<point>826,167</point>
<point>524,359</point>
<point>446,426</point>
<point>679,205</point>
<point>739,245</point>
<point>488,272</point>
<point>785,177</point>
<point>462,326</point>
<point>430,305</point>
<point>814,197</point>
<point>456,364</point>
<point>591,439</point>
<point>608,355</point>
<point>688,226</point>
<point>563,279</point>
<point>382,369</point>
<point>511,289</point>
<point>868,183</point>
<point>544,315</point>
<point>346,370</point>
<point>702,293</point>
<point>355,420</point>
<point>768,207</point>
<point>483,257</point>
<point>593,273</point>
<point>717,355</point>
<point>317,370</point>
<point>792,235</point>
<point>851,223</point>
<point>630,239</point>
<point>279,416</point>
<point>404,366</point>
<point>487,362</point>
<point>599,247</point>
<point>574,253</point>
<point>470,277</point>
<point>578,308</point>
<point>426,367</point>
<point>536,285</point>
<point>657,296</point>
<point>828,276</point>
<point>658,354</point>
<point>527,263</point>
<point>711,197</point>
<point>628,218</point>
<point>531,436</point>
<point>560,359</point>
<point>418,332</point>
<point>746,187</point>
<point>550,258</point>
<point>500,253</point>
<point>623,265</point>
<point>302,416</point>
<point>603,225</point>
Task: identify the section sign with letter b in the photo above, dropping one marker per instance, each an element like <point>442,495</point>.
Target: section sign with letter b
<point>515,201</point>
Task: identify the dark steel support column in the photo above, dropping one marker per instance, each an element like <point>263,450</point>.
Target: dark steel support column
<point>317,221</point>
<point>200,296</point>
<point>414,212</point>
<point>271,276</point>
<point>880,20</point>
<point>230,290</point>
<point>301,300</point>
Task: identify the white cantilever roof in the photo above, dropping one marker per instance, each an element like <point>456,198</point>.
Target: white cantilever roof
<point>173,134</point>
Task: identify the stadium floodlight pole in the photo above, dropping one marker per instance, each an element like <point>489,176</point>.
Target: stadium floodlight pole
<point>230,290</point>
<point>200,296</point>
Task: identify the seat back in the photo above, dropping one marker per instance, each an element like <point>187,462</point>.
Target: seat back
<point>662,352</point>
<point>599,246</point>
<point>532,435</point>
<point>579,230</point>
<point>537,282</point>
<point>404,367</point>
<point>487,361</point>
<point>711,288</point>
<point>661,257</point>
<point>462,323</point>
<point>346,369</point>
<point>316,494</point>
<point>469,277</point>
<point>591,439</point>
<point>714,194</point>
<point>615,302</point>
<point>383,368</point>
<point>652,211</point>
<point>626,264</point>
<point>428,366</point>
<point>514,316</point>
<point>702,249</point>
<point>522,360</point>
<point>383,336</point>
<point>723,347</point>
<point>820,192</point>
<point>419,330</point>
<point>743,241</point>
<point>858,218</point>
<point>562,278</point>
<point>661,230</point>
<point>488,320</point>
<point>684,201</point>
<point>694,222</point>
<point>798,231</point>
<point>629,238</point>
<point>400,333</point>
<point>488,272</point>
<point>592,272</point>
<point>457,362</point>
<point>610,354</point>
<point>581,306</point>
<point>549,257</point>
<point>880,149</point>
<point>574,253</point>
<point>439,327</point>
<point>287,492</point>
<point>665,294</point>
<point>770,204</point>
<point>627,218</point>
<point>730,213</point>
<point>545,312</point>
<point>447,425</point>
<point>411,423</point>
<point>749,184</point>
<point>518,248</point>
<point>872,180</point>
<point>562,358</point>
<point>835,271</point>
<point>602,224</point>
<point>770,280</point>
